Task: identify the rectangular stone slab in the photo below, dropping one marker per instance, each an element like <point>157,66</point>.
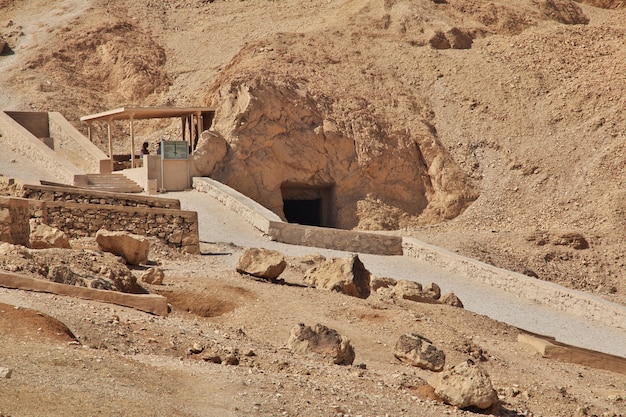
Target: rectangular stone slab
<point>550,348</point>
<point>150,303</point>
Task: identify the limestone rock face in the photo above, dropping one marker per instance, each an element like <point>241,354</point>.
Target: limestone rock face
<point>321,340</point>
<point>465,385</point>
<point>418,351</point>
<point>43,236</point>
<point>263,263</point>
<point>281,132</point>
<point>133,248</point>
<point>345,275</point>
<point>606,4</point>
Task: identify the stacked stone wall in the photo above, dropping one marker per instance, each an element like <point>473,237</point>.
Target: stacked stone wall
<point>14,217</point>
<point>176,228</point>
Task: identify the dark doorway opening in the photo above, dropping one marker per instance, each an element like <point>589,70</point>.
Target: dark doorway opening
<point>309,205</point>
<point>305,212</point>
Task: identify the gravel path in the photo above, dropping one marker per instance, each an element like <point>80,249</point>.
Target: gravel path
<point>217,224</point>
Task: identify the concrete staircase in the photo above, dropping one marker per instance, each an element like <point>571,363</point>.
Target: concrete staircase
<point>117,183</point>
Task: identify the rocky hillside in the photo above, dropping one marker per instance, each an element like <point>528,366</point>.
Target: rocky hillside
<point>492,128</point>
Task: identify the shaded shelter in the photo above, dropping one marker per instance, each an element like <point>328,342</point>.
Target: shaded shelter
<point>193,121</point>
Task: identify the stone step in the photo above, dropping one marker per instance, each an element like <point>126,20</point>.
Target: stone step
<point>112,183</point>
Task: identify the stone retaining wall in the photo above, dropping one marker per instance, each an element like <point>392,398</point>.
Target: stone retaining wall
<point>84,196</point>
<point>176,228</point>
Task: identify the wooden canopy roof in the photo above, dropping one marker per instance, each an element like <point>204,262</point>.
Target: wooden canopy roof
<point>186,114</point>
<point>138,113</point>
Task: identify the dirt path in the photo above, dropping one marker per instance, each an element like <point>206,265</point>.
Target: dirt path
<point>217,224</point>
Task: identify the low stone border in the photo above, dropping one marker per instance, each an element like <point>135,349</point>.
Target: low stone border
<point>150,303</point>
<point>542,292</point>
<point>254,213</point>
<point>338,239</point>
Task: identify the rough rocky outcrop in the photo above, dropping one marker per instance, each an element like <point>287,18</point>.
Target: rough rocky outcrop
<point>345,275</point>
<point>321,340</point>
<point>465,385</point>
<point>262,263</point>
<point>563,11</point>
<point>281,133</point>
<point>605,4</point>
<point>416,350</point>
<point>43,236</point>
<point>133,248</point>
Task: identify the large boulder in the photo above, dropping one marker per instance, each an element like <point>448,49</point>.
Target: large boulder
<point>263,263</point>
<point>465,385</point>
<point>416,350</point>
<point>133,248</point>
<point>323,341</point>
<point>212,148</point>
<point>345,275</point>
<point>451,299</point>
<point>43,236</point>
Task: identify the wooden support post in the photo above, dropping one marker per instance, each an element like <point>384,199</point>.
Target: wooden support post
<point>190,124</point>
<point>182,120</point>
<point>198,129</point>
<point>132,143</point>
<point>89,132</point>
<point>110,145</point>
